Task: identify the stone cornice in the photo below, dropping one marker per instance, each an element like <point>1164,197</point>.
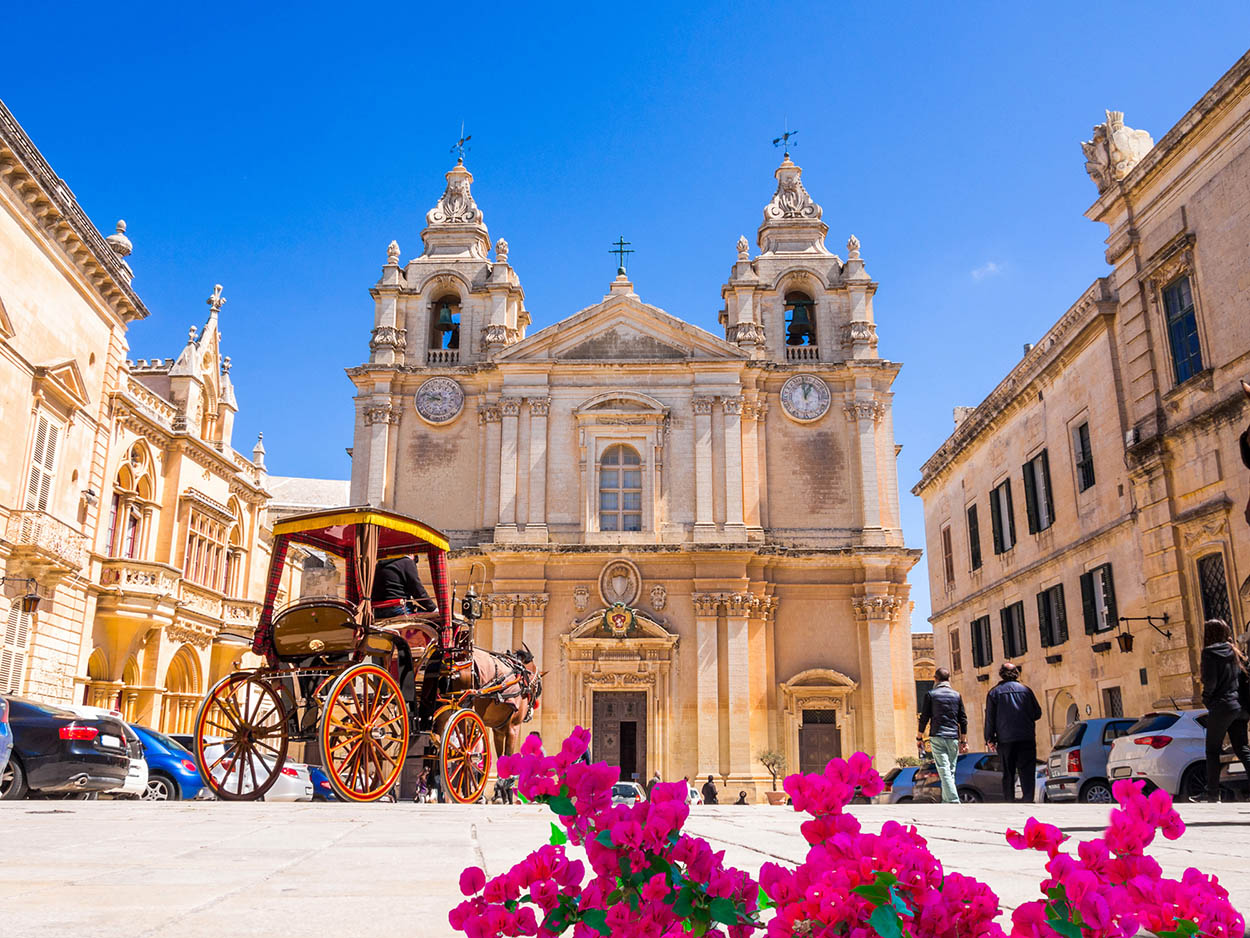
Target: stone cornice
<point>28,174</point>
<point>1096,300</point>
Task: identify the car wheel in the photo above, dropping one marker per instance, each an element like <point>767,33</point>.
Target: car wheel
<point>970,796</point>
<point>1096,792</point>
<point>13,781</point>
<point>1193,782</point>
<point>160,788</point>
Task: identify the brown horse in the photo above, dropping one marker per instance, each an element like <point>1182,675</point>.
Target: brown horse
<point>518,689</point>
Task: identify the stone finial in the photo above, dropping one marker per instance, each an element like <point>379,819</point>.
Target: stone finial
<point>392,254</point>
<point>225,365</point>
<point>744,248</point>
<point>216,301</point>
<point>501,251</point>
<point>118,241</point>
<point>852,248</point>
<point>191,333</point>
<point>258,452</point>
<point>791,200</point>
<point>456,206</point>
<point>1114,150</point>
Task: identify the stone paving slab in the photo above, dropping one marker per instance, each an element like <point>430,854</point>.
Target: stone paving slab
<point>207,869</point>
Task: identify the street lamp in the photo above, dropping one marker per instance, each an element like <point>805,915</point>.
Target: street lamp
<point>29,601</point>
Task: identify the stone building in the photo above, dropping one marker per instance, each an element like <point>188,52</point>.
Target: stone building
<point>923,664</point>
<point>1100,482</point>
<point>697,536</point>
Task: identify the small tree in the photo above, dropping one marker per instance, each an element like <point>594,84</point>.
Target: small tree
<point>775,762</point>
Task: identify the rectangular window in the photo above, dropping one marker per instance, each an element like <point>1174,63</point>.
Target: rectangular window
<point>1084,457</point>
<point>42,464</point>
<point>974,537</point>
<point>206,540</point>
<point>948,558</point>
<point>16,639</point>
<point>1015,641</point>
<point>982,643</point>
<point>1037,500</point>
<point>1098,599</point>
<point>1178,306</point>
<point>1052,617</point>
<point>957,663</point>
<point>1214,588</point>
<point>1112,702</point>
<point>1003,518</point>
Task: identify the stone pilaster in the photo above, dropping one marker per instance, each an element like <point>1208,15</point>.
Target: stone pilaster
<point>704,526</point>
<point>536,524</point>
<point>489,418</point>
<point>738,651</point>
<point>864,416</point>
<point>510,410</point>
<point>876,615</point>
<point>735,525</point>
<point>379,418</point>
<point>533,615</point>
<point>706,607</point>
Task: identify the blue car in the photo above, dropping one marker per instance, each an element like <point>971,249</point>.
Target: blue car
<point>322,791</point>
<point>172,775</point>
<point>6,736</point>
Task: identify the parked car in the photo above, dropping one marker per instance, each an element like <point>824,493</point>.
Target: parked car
<point>693,796</point>
<point>322,789</point>
<point>628,793</point>
<point>898,785</point>
<point>6,736</point>
<point>294,782</point>
<point>1078,762</point>
<point>137,777</point>
<point>60,753</point>
<point>172,775</point>
<point>1165,748</point>
<point>978,777</point>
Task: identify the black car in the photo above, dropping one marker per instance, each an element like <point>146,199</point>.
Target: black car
<point>56,752</point>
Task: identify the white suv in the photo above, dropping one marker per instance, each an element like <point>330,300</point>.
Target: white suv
<point>1166,748</point>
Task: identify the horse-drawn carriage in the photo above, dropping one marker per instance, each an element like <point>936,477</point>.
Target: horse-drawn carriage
<point>358,690</point>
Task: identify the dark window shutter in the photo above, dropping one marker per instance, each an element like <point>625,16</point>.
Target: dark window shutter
<point>1113,614</point>
<point>1043,621</point>
<point>1030,497</point>
<point>1050,502</point>
<point>974,537</point>
<point>1059,622</point>
<point>1018,628</point>
<point>1011,512</point>
<point>1087,602</point>
<point>1004,616</point>
<point>996,521</point>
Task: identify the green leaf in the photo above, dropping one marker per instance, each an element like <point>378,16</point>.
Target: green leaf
<point>562,805</point>
<point>899,905</point>
<point>598,920</point>
<point>524,800</point>
<point>885,922</point>
<point>683,905</point>
<point>604,838</point>
<point>764,902</point>
<point>558,837</point>
<point>1064,927</point>
<point>724,911</point>
<point>1184,929</point>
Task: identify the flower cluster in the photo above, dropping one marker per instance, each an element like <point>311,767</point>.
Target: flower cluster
<point>1111,889</point>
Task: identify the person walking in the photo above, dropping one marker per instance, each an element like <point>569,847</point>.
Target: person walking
<point>1224,694</point>
<point>1011,715</point>
<point>655,780</point>
<point>709,792</point>
<point>942,711</point>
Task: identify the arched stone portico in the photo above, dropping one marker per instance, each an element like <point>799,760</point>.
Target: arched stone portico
<point>825,691</point>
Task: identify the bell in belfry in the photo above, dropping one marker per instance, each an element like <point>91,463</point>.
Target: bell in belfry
<point>445,322</point>
<point>799,329</point>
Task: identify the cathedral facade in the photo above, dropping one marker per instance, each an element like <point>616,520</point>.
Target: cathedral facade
<point>698,536</point>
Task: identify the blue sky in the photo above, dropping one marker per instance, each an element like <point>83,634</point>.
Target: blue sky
<point>279,150</point>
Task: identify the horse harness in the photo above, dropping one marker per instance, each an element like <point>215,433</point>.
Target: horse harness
<point>521,683</point>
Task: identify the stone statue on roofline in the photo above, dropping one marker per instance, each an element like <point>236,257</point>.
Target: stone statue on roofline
<point>1114,151</point>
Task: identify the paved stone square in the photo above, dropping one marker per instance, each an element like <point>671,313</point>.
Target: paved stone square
<point>207,869</point>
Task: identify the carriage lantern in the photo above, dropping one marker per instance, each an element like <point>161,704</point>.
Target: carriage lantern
<point>445,323</point>
<point>471,605</point>
<point>1125,640</point>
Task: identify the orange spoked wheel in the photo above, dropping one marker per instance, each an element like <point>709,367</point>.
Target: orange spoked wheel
<point>464,757</point>
<point>364,733</point>
<point>241,737</point>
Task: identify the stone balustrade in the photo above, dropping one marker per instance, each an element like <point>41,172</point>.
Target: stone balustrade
<point>151,403</point>
<point>443,356</point>
<point>139,576</point>
<point>47,539</point>
<point>802,353</point>
<point>201,599</point>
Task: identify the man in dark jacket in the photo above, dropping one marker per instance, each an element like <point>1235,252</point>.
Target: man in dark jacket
<point>397,589</point>
<point>1223,671</point>
<point>943,712</point>
<point>709,792</point>
<point>1011,715</point>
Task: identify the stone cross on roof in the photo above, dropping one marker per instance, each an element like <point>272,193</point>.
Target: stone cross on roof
<point>216,301</point>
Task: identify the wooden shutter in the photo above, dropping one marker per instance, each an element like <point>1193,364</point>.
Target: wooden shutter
<point>1108,586</point>
<point>1043,620</point>
<point>974,538</point>
<point>996,521</point>
<point>42,464</point>
<point>13,650</point>
<point>948,557</point>
<point>1011,512</point>
<point>1004,616</point>
<point>1059,616</point>
<point>1046,495</point>
<point>1030,497</point>
<point>956,662</point>
<point>1018,627</point>
<point>1087,602</point>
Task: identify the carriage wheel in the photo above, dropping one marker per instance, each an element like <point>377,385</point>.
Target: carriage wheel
<point>241,737</point>
<point>464,757</point>
<point>364,733</point>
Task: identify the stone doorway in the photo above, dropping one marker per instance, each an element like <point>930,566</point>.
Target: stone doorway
<point>618,732</point>
<point>819,740</point>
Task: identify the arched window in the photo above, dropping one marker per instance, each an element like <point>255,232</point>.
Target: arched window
<point>620,489</point>
<point>130,511</point>
<point>182,692</point>
<point>235,554</point>
<point>800,319</point>
<point>445,323</point>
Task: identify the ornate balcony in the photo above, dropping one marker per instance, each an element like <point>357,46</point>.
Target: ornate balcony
<point>802,353</point>
<point>200,599</point>
<point>45,541</point>
<point>443,356</point>
<point>139,576</point>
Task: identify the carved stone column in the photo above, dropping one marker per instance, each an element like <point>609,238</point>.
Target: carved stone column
<point>704,526</point>
<point>501,609</point>
<point>536,525</point>
<point>735,526</point>
<point>510,410</point>
<point>379,418</point>
<point>876,615</point>
<point>706,607</point>
<point>533,616</point>
<point>864,415</point>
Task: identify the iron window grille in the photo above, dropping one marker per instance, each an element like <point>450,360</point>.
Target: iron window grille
<point>1213,587</point>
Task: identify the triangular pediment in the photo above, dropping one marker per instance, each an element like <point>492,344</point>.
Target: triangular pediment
<point>64,382</point>
<point>621,328</point>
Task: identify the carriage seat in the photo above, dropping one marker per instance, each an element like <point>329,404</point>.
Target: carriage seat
<point>323,626</point>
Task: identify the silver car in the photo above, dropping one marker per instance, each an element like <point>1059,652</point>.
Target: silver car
<point>1077,767</point>
<point>294,783</point>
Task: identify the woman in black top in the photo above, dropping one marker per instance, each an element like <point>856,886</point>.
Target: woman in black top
<point>1223,670</point>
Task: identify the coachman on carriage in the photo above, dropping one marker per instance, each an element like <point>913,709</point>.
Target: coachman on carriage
<point>361,690</point>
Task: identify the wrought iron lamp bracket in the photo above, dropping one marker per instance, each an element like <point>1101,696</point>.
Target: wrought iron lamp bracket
<point>1150,621</point>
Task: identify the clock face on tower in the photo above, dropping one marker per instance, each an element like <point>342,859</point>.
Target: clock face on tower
<point>805,398</point>
<point>439,400</point>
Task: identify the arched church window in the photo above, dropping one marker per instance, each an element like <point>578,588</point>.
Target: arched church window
<point>620,489</point>
<point>445,323</point>
<point>800,319</point>
<point>130,510</point>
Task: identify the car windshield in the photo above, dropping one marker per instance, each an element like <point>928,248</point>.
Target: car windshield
<point>623,788</point>
<point>1072,736</point>
<point>170,744</point>
<point>1153,722</point>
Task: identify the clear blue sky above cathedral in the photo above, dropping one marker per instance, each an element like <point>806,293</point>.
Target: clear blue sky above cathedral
<point>278,151</point>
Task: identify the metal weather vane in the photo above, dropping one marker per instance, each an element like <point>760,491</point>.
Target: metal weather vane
<point>620,249</point>
<point>461,146</point>
<point>784,141</point>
